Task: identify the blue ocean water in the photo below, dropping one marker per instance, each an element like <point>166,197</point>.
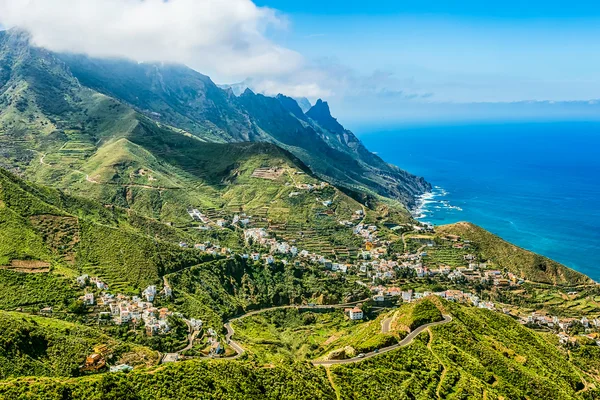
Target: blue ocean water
<point>534,184</point>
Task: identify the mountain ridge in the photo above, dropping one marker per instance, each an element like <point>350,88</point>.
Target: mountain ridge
<point>50,92</point>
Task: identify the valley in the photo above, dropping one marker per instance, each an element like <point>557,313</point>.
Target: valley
<point>161,237</point>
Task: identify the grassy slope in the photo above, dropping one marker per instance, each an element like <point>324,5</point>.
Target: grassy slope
<point>292,334</point>
<point>412,315</point>
<point>127,250</point>
<point>190,380</point>
<point>480,354</point>
<point>31,345</point>
<point>521,262</point>
<point>180,97</point>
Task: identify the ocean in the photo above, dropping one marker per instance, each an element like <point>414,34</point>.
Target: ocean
<point>534,184</point>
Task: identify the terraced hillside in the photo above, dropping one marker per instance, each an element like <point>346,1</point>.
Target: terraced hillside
<point>525,264</point>
<point>479,354</point>
<point>45,227</point>
<point>67,113</point>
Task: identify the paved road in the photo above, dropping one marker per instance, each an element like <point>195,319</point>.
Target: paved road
<point>191,336</point>
<point>385,325</point>
<point>239,350</point>
<point>406,341</point>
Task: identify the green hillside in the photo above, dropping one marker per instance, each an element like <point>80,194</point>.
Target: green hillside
<point>37,346</point>
<point>67,106</point>
<point>479,355</point>
<point>218,290</point>
<point>142,174</point>
<point>523,263</point>
<point>73,234</point>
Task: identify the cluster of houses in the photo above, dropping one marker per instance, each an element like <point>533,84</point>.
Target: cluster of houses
<point>241,220</point>
<point>310,187</point>
<point>209,248</point>
<point>126,310</point>
<point>382,293</point>
<point>379,268</point>
<point>261,237</point>
<point>564,326</point>
<point>85,280</point>
<point>357,215</point>
<point>122,310</point>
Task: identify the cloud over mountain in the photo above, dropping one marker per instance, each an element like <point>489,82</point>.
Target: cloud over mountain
<point>224,38</point>
<point>230,40</point>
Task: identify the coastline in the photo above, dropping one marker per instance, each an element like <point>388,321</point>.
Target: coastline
<point>429,202</point>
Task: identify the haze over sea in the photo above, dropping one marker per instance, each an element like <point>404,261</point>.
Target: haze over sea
<point>535,184</point>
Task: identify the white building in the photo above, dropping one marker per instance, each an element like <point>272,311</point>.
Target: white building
<point>82,280</point>
<point>149,293</point>
<point>356,314</point>
<point>88,299</point>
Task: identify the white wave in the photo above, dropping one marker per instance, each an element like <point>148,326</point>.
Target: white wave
<point>429,202</point>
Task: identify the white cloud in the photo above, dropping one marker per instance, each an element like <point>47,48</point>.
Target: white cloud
<point>335,82</point>
<point>228,40</point>
<point>224,38</point>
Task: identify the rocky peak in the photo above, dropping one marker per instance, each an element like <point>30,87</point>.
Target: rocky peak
<point>292,106</point>
<point>321,114</point>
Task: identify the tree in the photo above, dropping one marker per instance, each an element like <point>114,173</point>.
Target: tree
<point>77,307</point>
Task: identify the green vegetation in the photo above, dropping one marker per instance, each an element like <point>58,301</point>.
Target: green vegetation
<point>559,301</point>
<point>36,346</point>
<point>290,334</point>
<point>35,291</point>
<point>410,316</point>
<point>202,380</point>
<point>480,354</point>
<point>145,155</point>
<point>175,340</point>
<point>195,104</point>
<point>424,312</point>
<point>293,334</point>
<point>521,262</point>
<point>218,290</point>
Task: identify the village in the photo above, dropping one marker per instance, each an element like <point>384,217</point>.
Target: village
<point>382,268</point>
<point>383,271</point>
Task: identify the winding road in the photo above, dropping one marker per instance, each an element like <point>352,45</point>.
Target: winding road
<point>239,350</point>
<point>385,327</point>
<point>404,342</point>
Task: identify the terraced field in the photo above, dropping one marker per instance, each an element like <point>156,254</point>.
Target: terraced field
<point>445,256</point>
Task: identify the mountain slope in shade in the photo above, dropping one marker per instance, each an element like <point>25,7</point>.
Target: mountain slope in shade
<point>183,98</point>
<point>61,95</point>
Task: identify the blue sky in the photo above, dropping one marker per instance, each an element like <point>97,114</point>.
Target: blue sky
<point>451,51</point>
<point>469,8</point>
<point>380,60</point>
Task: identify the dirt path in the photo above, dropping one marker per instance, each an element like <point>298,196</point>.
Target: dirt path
<point>335,388</point>
<point>90,180</point>
<point>239,350</point>
<point>444,370</point>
